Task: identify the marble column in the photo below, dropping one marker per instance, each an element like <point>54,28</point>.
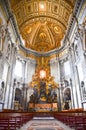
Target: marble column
<point>10,81</point>
<point>2,37</point>
<point>59,87</point>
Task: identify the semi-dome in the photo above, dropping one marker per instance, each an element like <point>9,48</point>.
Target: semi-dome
<point>43,23</point>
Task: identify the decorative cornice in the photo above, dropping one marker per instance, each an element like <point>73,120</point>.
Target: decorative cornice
<point>46,54</point>
<point>74,15</point>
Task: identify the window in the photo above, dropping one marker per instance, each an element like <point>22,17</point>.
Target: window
<point>67,68</point>
<point>5,71</point>
<point>18,68</point>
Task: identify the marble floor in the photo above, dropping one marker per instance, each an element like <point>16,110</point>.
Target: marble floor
<point>45,124</point>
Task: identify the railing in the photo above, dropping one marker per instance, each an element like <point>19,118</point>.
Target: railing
<point>13,121</point>
<point>76,120</point>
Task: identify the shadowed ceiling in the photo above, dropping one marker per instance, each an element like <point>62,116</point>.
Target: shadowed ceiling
<point>42,23</point>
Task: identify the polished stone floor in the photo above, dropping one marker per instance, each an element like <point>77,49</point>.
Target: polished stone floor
<point>45,124</point>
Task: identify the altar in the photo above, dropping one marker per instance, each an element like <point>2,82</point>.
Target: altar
<point>43,107</point>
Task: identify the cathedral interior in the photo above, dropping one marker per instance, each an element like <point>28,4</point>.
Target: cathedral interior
<point>42,55</point>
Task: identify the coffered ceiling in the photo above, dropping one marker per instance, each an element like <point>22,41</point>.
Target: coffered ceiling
<point>42,23</point>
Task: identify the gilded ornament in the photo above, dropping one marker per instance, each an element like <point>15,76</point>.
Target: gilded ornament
<point>57,29</point>
<point>42,35</point>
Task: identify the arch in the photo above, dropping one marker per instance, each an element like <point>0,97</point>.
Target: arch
<point>18,95</point>
<point>66,98</point>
